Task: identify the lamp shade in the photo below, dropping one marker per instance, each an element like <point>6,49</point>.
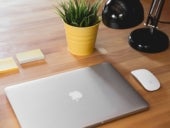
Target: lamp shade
<point>122,14</point>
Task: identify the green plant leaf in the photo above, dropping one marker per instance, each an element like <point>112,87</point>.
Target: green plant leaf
<point>79,13</point>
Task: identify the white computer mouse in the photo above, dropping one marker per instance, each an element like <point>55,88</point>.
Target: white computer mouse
<point>147,79</point>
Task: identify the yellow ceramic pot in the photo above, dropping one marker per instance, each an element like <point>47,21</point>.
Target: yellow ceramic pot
<point>81,40</point>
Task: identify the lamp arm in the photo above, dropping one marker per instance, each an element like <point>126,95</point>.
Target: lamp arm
<point>154,13</point>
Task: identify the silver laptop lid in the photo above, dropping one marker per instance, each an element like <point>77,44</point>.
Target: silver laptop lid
<point>80,98</point>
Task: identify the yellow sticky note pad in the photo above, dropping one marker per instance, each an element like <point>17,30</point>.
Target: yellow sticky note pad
<point>7,65</point>
<point>30,56</point>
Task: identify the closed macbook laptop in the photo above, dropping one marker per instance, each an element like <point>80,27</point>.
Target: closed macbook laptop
<point>85,97</point>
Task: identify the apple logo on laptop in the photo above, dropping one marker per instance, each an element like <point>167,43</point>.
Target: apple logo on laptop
<point>75,95</point>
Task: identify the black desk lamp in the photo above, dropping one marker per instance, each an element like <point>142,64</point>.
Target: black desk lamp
<point>123,14</point>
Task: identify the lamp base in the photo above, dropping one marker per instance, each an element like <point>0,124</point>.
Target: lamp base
<point>148,40</point>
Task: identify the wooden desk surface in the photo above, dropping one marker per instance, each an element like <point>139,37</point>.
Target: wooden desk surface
<point>31,24</point>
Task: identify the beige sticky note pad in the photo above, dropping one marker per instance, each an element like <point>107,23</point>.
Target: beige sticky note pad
<point>7,65</point>
<point>29,56</point>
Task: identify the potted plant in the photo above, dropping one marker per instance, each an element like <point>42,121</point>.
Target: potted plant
<point>81,22</point>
